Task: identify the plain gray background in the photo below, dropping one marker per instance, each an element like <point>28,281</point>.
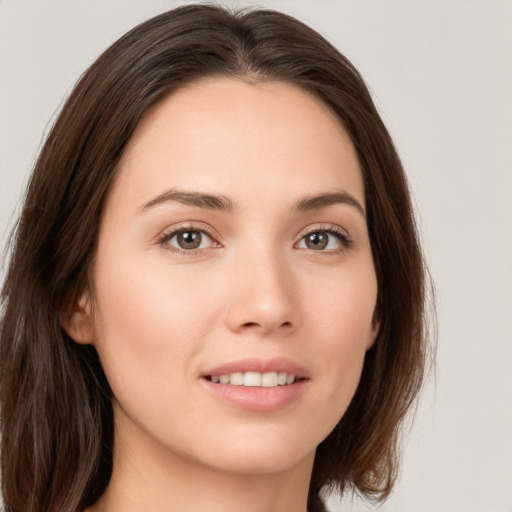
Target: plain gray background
<point>440,72</point>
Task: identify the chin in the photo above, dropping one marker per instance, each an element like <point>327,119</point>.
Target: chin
<point>262,464</point>
<point>260,452</point>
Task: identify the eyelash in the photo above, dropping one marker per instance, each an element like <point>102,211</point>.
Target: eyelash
<point>331,229</point>
<point>169,234</point>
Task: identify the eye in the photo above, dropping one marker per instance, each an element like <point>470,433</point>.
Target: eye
<point>324,240</point>
<point>188,239</point>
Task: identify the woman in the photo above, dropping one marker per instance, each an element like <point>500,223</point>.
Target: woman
<point>216,293</point>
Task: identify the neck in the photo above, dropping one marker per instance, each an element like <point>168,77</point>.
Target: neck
<point>145,477</point>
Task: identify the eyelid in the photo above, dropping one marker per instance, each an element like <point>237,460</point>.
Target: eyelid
<point>167,234</point>
<point>334,229</point>
<point>173,230</point>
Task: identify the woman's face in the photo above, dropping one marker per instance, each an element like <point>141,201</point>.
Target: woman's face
<point>234,257</point>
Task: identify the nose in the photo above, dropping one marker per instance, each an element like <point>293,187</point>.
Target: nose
<point>263,298</point>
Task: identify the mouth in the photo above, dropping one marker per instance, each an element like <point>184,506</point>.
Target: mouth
<point>256,384</point>
<point>254,379</point>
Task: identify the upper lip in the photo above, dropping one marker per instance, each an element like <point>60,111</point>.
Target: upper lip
<point>275,364</point>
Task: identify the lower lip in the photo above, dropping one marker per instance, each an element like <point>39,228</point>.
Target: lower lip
<point>258,399</point>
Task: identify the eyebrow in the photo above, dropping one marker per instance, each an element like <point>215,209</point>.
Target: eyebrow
<point>224,204</point>
<point>323,200</point>
<point>199,199</point>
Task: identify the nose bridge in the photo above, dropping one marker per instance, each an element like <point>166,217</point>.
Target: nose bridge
<point>262,290</point>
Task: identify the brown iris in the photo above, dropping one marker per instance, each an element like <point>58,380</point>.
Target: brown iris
<point>317,241</point>
<point>189,239</point>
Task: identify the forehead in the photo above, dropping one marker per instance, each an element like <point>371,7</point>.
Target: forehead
<point>230,137</point>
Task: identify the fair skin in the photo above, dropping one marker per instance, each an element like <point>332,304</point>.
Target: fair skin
<point>263,277</point>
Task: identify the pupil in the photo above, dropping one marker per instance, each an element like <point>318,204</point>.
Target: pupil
<point>189,239</point>
<point>317,241</point>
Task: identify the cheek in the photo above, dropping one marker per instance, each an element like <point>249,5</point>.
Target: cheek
<point>150,316</point>
<point>342,305</point>
<point>343,319</point>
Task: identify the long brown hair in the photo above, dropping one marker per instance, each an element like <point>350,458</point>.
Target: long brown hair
<point>56,413</point>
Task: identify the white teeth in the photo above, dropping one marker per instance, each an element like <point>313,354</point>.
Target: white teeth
<point>252,379</point>
<point>237,379</point>
<point>255,379</point>
<point>281,378</point>
<point>269,380</point>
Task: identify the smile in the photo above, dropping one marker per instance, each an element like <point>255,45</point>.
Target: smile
<point>262,385</point>
<point>254,379</point>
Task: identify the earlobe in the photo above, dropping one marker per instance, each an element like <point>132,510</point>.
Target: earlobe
<point>77,320</point>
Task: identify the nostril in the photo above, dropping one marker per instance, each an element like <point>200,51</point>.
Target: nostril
<point>250,324</point>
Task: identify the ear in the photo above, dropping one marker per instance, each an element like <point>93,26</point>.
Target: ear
<point>77,320</point>
<point>374,332</point>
